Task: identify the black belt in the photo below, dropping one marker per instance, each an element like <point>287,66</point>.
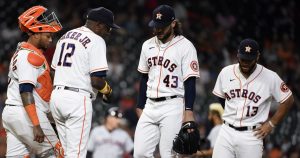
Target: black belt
<point>163,98</point>
<point>10,105</point>
<point>71,89</point>
<point>67,88</point>
<point>243,128</point>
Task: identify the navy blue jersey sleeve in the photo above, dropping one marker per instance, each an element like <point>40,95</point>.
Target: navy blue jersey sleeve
<point>143,89</point>
<point>189,93</point>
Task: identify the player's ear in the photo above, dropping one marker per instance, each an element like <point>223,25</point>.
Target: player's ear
<point>173,24</point>
<point>258,55</point>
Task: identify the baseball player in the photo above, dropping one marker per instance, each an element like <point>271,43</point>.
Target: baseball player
<point>109,140</point>
<point>169,68</point>
<point>248,89</point>
<point>80,66</point>
<point>29,87</point>
<point>215,116</point>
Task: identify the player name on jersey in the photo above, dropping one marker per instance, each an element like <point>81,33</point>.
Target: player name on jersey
<point>237,93</point>
<point>76,36</point>
<point>161,61</point>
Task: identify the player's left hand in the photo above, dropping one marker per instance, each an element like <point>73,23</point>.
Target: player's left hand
<point>262,131</point>
<point>188,116</point>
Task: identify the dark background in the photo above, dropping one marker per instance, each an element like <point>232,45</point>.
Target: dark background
<point>215,27</point>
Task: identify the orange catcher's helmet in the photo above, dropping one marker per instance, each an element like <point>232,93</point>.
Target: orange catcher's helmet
<point>35,20</point>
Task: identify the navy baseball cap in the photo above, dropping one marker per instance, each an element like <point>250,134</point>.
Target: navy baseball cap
<point>103,15</point>
<point>114,111</point>
<point>248,49</point>
<point>162,16</point>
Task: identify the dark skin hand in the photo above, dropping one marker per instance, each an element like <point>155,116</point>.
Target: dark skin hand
<point>262,131</point>
<point>52,72</point>
<point>99,83</point>
<point>27,98</point>
<point>139,112</point>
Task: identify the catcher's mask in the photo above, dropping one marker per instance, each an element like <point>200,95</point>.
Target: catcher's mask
<point>35,20</point>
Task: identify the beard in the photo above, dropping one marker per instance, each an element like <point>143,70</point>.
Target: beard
<point>249,70</point>
<point>163,36</point>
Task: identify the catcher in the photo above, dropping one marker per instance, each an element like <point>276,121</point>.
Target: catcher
<point>29,88</point>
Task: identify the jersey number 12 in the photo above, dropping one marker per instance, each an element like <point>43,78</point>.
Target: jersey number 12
<point>69,52</point>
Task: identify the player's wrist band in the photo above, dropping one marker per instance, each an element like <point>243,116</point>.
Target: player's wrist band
<point>31,112</point>
<point>271,124</point>
<point>106,89</point>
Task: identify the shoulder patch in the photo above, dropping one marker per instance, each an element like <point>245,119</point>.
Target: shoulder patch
<point>194,66</point>
<point>35,59</point>
<point>284,88</point>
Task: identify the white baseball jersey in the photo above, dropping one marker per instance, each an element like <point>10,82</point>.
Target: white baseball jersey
<point>248,100</point>
<point>28,65</point>
<point>22,69</point>
<point>109,144</point>
<point>168,65</point>
<point>79,53</point>
<point>213,134</point>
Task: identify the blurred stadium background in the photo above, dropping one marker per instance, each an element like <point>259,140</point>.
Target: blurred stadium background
<point>215,28</point>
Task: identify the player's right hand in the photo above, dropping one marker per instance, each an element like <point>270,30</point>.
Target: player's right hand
<point>38,134</point>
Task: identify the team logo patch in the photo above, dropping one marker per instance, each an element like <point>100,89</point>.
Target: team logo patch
<point>284,88</point>
<point>158,16</point>
<point>194,66</point>
<point>248,49</point>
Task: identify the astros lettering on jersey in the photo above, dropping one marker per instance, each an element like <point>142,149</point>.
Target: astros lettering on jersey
<point>166,70</point>
<point>248,100</point>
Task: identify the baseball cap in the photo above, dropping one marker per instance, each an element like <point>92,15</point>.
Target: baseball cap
<point>162,16</point>
<point>216,107</point>
<point>114,111</point>
<point>248,49</point>
<point>103,15</point>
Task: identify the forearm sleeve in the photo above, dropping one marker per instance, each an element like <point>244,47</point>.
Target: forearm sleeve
<point>189,93</point>
<point>143,89</point>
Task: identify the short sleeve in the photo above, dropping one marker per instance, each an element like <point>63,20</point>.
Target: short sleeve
<point>97,56</point>
<point>143,67</point>
<point>280,90</point>
<point>56,55</point>
<point>27,73</point>
<point>91,142</point>
<point>128,143</point>
<point>190,65</point>
<point>218,87</point>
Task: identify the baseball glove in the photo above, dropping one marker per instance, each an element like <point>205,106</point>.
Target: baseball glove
<point>187,143</point>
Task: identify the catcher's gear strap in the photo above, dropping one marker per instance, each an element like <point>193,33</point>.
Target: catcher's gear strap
<point>31,112</point>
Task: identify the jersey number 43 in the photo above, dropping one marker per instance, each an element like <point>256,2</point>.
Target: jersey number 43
<point>171,81</point>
